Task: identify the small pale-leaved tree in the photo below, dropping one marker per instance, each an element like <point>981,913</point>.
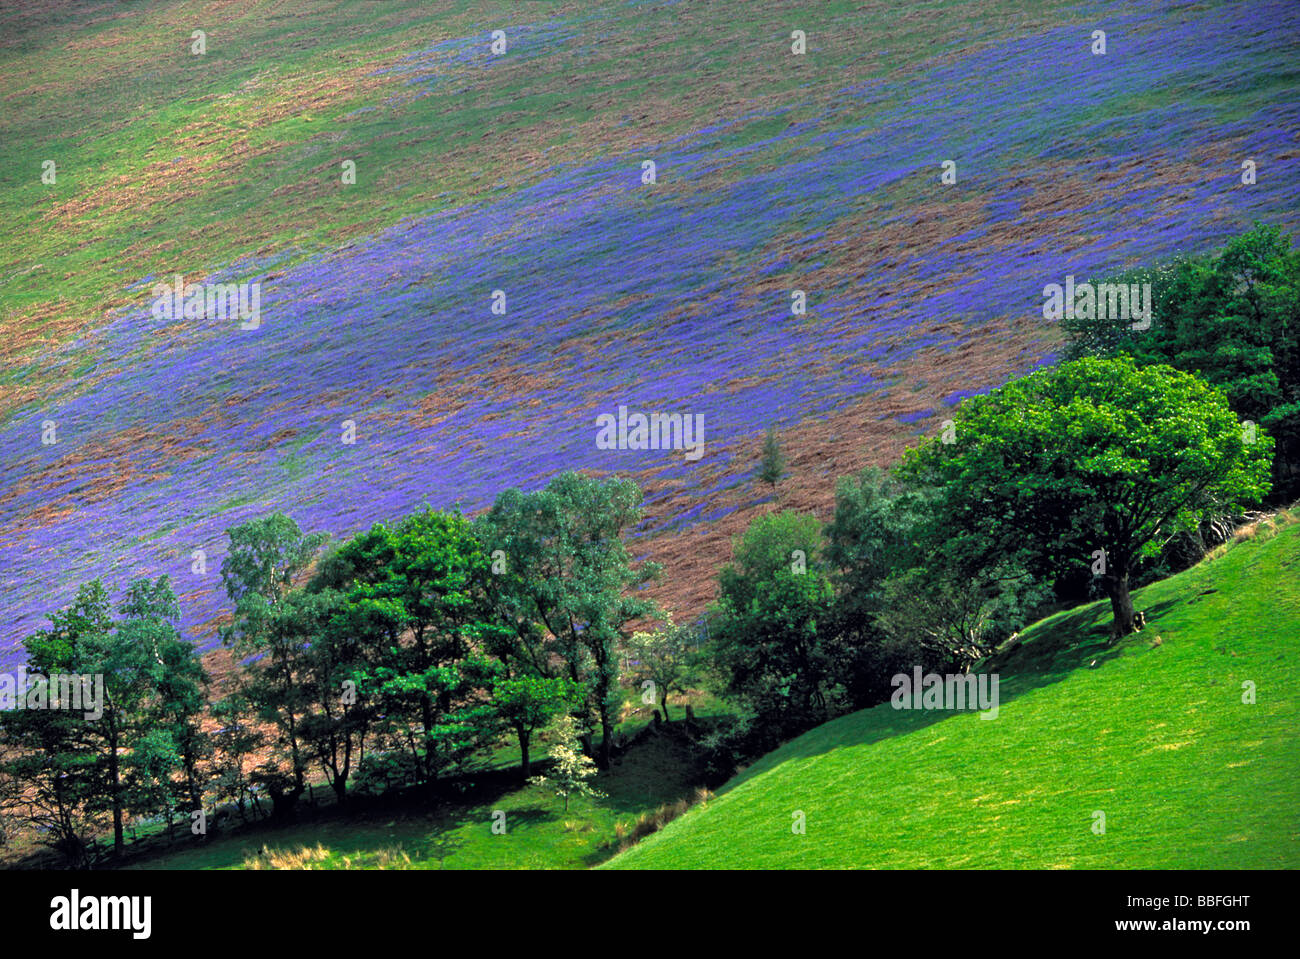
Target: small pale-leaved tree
<point>570,768</point>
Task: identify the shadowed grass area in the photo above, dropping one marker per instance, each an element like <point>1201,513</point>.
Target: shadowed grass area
<point>539,833</point>
<point>1153,733</point>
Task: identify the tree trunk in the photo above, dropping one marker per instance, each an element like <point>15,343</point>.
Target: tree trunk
<point>191,772</point>
<point>426,719</point>
<point>297,762</point>
<point>283,803</point>
<point>525,759</point>
<point>607,735</point>
<point>114,775</point>
<point>1121,604</point>
<point>663,704</point>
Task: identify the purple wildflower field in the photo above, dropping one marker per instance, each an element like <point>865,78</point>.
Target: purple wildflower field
<point>673,297</point>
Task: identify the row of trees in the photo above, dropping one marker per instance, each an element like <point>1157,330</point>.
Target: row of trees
<point>1064,482</point>
<point>1087,468</point>
<point>401,653</point>
<point>422,639</point>
<point>384,661</point>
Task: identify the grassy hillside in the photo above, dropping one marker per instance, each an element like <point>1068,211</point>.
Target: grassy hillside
<point>1153,734</point>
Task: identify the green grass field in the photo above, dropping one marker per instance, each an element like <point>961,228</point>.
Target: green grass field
<point>1154,735</point>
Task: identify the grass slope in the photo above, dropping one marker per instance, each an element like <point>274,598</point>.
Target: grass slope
<point>1155,736</point>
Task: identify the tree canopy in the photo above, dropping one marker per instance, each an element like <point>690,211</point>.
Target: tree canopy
<point>1097,461</point>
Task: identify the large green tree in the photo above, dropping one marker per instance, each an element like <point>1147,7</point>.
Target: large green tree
<point>180,683</point>
<point>872,539</point>
<point>1232,318</point>
<point>128,658</point>
<point>409,625</point>
<point>336,665</point>
<point>1096,461</point>
<point>527,703</point>
<point>264,558</point>
<point>771,624</point>
<point>564,586</point>
<point>77,769</point>
<point>51,769</point>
